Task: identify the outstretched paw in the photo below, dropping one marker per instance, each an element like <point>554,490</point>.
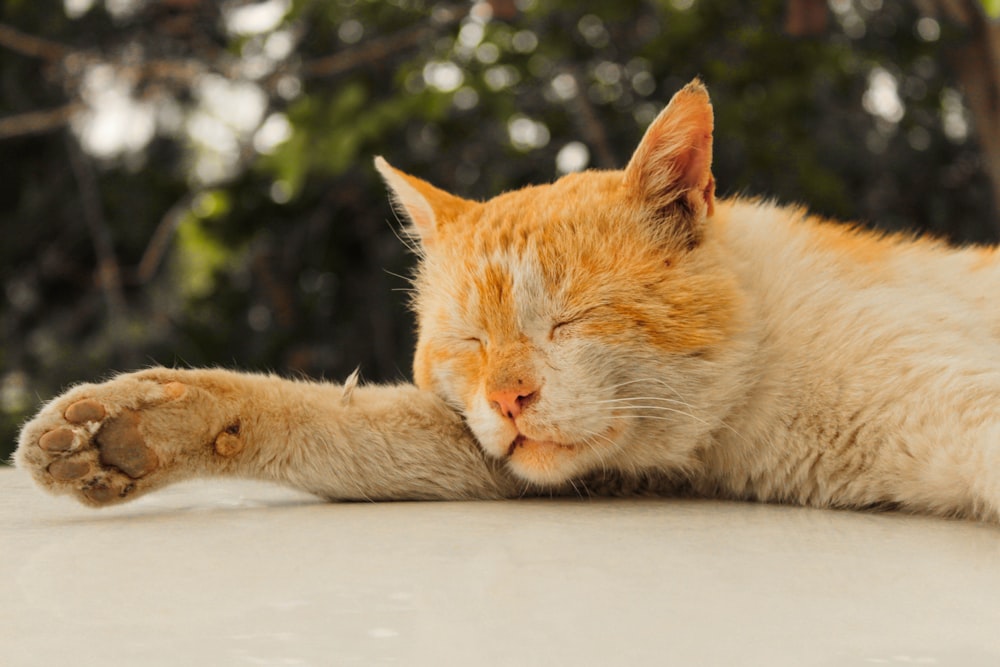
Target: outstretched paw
<point>107,443</point>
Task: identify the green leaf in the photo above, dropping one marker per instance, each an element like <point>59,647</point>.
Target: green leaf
<point>211,204</point>
<point>992,8</point>
<point>199,255</point>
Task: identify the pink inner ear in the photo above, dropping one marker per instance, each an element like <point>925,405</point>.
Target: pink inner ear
<point>697,163</point>
<point>674,158</point>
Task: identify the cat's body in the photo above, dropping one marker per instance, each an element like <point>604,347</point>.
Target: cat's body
<point>875,370</point>
<point>611,327</point>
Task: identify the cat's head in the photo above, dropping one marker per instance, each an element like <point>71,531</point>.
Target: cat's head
<point>573,322</point>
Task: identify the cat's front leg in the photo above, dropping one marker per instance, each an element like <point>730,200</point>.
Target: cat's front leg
<point>111,442</point>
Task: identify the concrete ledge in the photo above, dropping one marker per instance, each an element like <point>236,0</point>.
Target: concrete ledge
<point>233,573</point>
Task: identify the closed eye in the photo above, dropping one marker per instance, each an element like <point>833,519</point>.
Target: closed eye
<point>570,320</point>
<point>562,324</point>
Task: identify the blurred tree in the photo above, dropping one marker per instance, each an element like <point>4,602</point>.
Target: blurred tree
<point>189,181</point>
<point>977,64</point>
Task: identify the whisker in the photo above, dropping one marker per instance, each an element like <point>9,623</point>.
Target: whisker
<point>624,402</point>
<point>407,238</point>
<point>637,398</point>
<point>408,279</point>
<point>575,488</point>
<point>650,380</point>
<point>613,408</point>
<point>617,410</point>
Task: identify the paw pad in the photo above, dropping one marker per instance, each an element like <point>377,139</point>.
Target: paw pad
<point>174,390</point>
<point>121,445</point>
<point>65,470</point>
<point>59,440</point>
<point>100,493</point>
<point>108,443</point>
<point>228,443</point>
<point>87,410</point>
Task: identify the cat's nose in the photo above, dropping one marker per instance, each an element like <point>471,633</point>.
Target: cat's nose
<point>511,402</point>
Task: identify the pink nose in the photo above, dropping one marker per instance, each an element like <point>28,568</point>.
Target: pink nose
<point>511,402</point>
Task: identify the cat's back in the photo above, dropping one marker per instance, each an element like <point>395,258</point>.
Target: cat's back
<point>827,278</point>
<point>867,348</point>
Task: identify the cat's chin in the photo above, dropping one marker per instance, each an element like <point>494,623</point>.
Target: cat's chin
<point>541,461</point>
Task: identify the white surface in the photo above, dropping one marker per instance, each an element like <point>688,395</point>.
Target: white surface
<point>240,574</point>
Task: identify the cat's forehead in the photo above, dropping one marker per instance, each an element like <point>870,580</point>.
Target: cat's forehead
<point>517,256</point>
<point>590,189</point>
<point>540,217</point>
<point>537,232</point>
<point>510,292</point>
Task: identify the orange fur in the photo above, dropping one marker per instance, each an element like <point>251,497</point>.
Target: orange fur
<point>626,319</point>
<point>511,288</point>
<point>612,325</point>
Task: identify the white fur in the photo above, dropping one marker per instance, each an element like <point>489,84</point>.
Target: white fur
<point>873,382</point>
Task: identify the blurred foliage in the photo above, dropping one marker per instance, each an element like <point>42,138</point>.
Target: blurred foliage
<point>285,257</point>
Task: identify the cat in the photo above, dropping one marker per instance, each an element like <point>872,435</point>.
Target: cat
<point>610,332</point>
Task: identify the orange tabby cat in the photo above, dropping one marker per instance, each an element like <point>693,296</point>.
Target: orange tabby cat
<point>611,330</point>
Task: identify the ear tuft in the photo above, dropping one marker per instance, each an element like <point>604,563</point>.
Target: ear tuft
<point>426,207</point>
<point>407,200</point>
<point>673,163</point>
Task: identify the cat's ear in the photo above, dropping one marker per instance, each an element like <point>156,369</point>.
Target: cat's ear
<point>671,170</point>
<point>424,205</point>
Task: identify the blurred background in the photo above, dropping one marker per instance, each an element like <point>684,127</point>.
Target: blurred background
<point>189,182</point>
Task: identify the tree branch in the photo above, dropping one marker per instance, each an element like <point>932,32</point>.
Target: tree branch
<point>159,242</point>
<point>977,64</point>
<point>591,128</point>
<point>29,45</point>
<point>378,48</point>
<point>37,122</point>
<point>108,272</point>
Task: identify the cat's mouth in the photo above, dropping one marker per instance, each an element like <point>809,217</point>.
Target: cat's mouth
<point>525,441</point>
